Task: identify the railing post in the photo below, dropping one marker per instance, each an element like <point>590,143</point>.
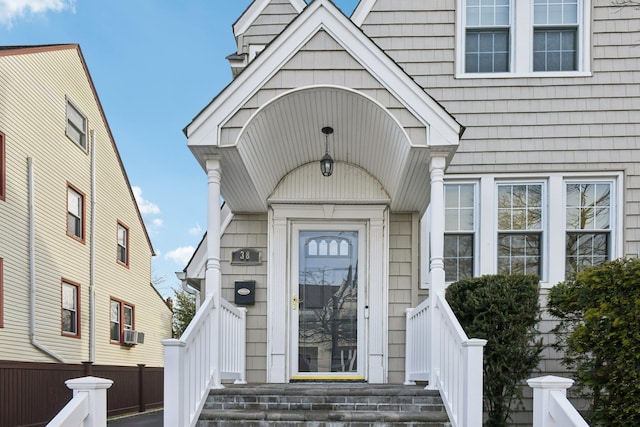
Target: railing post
<point>174,389</point>
<point>473,373</point>
<point>242,336</point>
<point>408,345</point>
<point>542,389</point>
<point>96,390</point>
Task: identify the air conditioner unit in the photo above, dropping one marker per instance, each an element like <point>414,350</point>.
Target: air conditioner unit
<point>140,339</point>
<point>130,337</point>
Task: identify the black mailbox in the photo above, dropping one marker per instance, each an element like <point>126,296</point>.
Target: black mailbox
<point>245,292</point>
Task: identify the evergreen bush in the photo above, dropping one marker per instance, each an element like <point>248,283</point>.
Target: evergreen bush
<point>504,310</point>
<point>599,332</point>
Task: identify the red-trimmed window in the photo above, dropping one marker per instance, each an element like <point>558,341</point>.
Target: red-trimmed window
<point>75,213</point>
<point>70,309</point>
<point>123,244</point>
<point>3,172</point>
<point>122,317</point>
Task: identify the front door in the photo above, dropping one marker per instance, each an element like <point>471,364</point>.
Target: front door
<point>328,303</point>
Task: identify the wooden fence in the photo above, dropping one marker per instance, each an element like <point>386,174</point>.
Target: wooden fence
<point>31,394</point>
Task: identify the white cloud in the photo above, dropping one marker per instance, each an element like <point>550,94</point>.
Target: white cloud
<point>180,256</point>
<point>146,207</point>
<point>158,222</point>
<point>13,9</point>
<point>195,231</point>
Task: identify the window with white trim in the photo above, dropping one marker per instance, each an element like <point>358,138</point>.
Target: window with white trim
<point>588,219</point>
<point>123,244</point>
<point>507,37</point>
<point>75,213</point>
<point>121,319</point>
<point>76,125</point>
<point>520,228</point>
<point>70,309</point>
<point>460,230</point>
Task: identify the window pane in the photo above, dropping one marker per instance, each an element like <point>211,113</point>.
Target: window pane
<point>588,206</point>
<point>459,207</point>
<point>520,207</point>
<point>68,296</point>
<point>555,50</point>
<point>128,317</point>
<point>69,309</point>
<point>115,321</point>
<point>487,51</point>
<point>584,250</point>
<point>74,202</point>
<point>519,253</point>
<point>549,12</point>
<point>458,256</point>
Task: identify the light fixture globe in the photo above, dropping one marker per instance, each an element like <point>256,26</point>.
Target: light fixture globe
<point>326,163</point>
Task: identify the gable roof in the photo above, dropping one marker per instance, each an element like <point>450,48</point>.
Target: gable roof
<point>254,10</point>
<point>319,15</point>
<point>27,50</point>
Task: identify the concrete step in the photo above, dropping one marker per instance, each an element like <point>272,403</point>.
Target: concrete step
<point>323,404</point>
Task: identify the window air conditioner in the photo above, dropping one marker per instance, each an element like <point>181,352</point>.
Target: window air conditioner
<point>130,337</point>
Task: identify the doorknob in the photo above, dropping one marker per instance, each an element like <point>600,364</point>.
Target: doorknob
<point>294,302</point>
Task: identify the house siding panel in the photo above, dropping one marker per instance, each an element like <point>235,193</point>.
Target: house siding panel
<point>273,19</point>
<point>249,231</point>
<point>34,122</point>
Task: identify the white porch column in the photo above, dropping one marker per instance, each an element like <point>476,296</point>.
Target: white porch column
<point>213,277</point>
<point>436,265</point>
<point>212,274</point>
<point>96,390</point>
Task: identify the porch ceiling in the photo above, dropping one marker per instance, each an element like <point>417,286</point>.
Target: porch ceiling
<point>286,134</point>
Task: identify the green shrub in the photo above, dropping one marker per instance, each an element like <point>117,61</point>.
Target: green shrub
<point>183,311</point>
<point>504,310</point>
<point>599,332</point>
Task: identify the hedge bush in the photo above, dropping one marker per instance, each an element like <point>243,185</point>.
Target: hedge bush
<point>599,332</point>
<point>504,310</point>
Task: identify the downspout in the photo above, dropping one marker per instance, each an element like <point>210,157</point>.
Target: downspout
<point>32,267</point>
<point>92,250</point>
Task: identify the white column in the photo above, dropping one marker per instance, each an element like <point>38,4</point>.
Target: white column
<point>378,303</point>
<point>436,266</point>
<point>473,372</point>
<point>543,387</point>
<point>279,298</point>
<point>96,390</point>
<point>174,382</point>
<point>213,277</point>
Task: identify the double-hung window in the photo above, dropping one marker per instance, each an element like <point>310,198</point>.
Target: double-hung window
<point>523,37</point>
<point>76,125</point>
<point>487,36</point>
<point>460,231</point>
<point>123,244</point>
<point>520,228</point>
<point>555,35</point>
<point>121,319</point>
<point>70,309</point>
<point>75,213</point>
<point>588,219</point>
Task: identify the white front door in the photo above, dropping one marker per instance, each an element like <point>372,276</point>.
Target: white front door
<point>328,295</point>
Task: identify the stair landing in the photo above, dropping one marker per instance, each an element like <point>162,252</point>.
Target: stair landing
<point>323,404</point>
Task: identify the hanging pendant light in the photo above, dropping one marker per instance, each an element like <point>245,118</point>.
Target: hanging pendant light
<point>326,163</point>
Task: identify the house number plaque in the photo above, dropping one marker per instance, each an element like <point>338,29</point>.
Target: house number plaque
<point>246,256</point>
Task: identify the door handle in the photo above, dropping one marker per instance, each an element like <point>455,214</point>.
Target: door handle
<point>294,302</point>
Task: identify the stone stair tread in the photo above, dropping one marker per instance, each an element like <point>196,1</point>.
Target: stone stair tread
<point>333,416</point>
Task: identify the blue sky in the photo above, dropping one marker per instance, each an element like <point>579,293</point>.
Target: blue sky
<point>155,65</point>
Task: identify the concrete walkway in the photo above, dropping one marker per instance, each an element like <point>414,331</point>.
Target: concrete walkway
<point>146,419</point>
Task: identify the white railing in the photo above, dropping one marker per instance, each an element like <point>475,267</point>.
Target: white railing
<point>551,408</point>
<point>88,407</point>
<point>417,347</point>
<point>200,359</point>
<point>454,362</point>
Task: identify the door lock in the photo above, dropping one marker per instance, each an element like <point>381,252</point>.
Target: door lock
<point>294,302</point>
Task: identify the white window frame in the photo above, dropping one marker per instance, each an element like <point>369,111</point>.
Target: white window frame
<point>476,220</point>
<point>82,130</point>
<point>521,46</point>
<point>553,249</point>
<point>124,245</point>
<point>613,210</point>
<point>122,326</point>
<point>543,220</point>
<point>72,190</point>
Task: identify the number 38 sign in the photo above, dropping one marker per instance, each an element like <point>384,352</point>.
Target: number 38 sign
<point>246,256</point>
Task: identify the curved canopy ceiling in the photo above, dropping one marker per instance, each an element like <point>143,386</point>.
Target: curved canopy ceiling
<point>286,133</point>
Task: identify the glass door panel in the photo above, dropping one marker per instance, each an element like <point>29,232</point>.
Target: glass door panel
<point>328,302</point>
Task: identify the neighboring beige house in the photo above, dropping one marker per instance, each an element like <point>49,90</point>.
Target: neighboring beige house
<point>75,257</point>
<point>467,137</point>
